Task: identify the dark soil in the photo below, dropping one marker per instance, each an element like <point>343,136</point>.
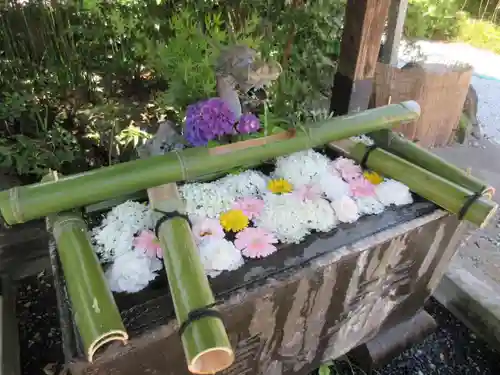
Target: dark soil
<point>451,350</point>
<point>39,334</point>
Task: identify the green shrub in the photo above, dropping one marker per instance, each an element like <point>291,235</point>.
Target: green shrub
<point>83,81</point>
<point>482,34</point>
<point>434,19</point>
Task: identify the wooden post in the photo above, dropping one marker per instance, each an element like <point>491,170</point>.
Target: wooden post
<point>363,27</point>
<point>395,24</point>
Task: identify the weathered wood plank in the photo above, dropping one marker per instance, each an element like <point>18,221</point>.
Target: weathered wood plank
<point>395,25</point>
<point>363,27</point>
<point>24,249</point>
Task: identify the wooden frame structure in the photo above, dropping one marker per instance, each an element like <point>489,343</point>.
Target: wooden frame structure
<point>364,25</point>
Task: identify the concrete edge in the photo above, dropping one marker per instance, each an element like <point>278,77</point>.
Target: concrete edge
<point>473,301</point>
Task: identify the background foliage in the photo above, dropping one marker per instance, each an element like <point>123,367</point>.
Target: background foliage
<point>476,22</point>
<point>84,81</point>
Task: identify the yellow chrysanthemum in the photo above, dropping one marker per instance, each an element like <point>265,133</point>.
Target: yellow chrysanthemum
<point>280,186</point>
<point>233,220</point>
<point>373,177</point>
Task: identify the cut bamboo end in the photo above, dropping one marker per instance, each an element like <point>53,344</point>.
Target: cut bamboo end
<point>211,361</point>
<point>489,192</point>
<point>411,105</point>
<point>488,217</point>
<point>101,341</point>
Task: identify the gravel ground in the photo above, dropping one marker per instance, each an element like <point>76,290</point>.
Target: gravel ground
<point>486,79</point>
<point>451,350</point>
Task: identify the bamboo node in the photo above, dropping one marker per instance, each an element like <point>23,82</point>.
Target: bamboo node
<point>184,171</point>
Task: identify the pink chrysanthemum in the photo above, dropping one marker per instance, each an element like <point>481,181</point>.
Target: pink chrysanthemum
<point>149,244</point>
<point>308,192</point>
<point>207,228</point>
<point>348,169</point>
<point>255,242</point>
<point>361,187</point>
<point>251,207</point>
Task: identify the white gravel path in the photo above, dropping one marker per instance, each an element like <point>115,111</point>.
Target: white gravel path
<point>486,78</point>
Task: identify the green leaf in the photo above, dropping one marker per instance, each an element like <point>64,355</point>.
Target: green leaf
<point>277,129</point>
<point>212,144</point>
<point>324,370</point>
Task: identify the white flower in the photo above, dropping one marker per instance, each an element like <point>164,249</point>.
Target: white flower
<point>393,192</point>
<point>218,255</point>
<point>246,184</point>
<point>283,216</point>
<point>362,139</point>
<point>115,235</point>
<point>369,206</point>
<point>210,199</point>
<point>302,168</point>
<point>319,215</point>
<point>206,199</point>
<point>346,209</point>
<point>291,219</point>
<point>132,272</point>
<point>334,187</point>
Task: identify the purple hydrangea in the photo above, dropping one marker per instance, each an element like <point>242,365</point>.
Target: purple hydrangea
<point>248,123</point>
<point>207,120</point>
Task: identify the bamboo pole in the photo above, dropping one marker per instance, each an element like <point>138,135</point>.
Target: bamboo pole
<point>205,341</point>
<point>428,185</point>
<point>95,312</point>
<point>24,203</point>
<point>417,155</point>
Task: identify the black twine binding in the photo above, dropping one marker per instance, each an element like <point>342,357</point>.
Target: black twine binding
<point>198,314</point>
<point>167,216</point>
<point>369,149</point>
<point>468,203</point>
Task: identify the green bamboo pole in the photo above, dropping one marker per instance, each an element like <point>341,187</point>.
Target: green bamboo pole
<point>95,312</point>
<point>428,185</point>
<point>410,151</point>
<point>205,341</point>
<point>24,203</point>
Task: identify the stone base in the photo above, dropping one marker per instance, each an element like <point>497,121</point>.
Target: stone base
<point>391,342</point>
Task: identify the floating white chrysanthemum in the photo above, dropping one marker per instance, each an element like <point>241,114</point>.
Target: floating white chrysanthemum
<point>334,187</point>
<point>283,216</point>
<point>132,272</point>
<point>291,219</point>
<point>362,139</point>
<point>302,168</point>
<point>218,255</point>
<point>115,235</point>
<point>249,183</point>
<point>210,199</point>
<point>393,192</point>
<point>369,206</point>
<point>346,209</point>
<point>320,215</point>
<point>206,199</point>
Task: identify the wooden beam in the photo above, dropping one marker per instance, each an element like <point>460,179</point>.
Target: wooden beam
<point>395,25</point>
<point>363,28</point>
